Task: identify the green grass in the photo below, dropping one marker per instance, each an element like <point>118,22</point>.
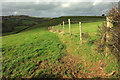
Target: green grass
<point>20,51</point>
<point>23,52</point>
<point>86,50</point>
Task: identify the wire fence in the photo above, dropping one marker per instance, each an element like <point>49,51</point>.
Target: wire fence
<point>62,26</point>
<point>66,27</point>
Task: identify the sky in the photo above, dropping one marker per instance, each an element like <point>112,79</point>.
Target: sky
<point>56,8</point>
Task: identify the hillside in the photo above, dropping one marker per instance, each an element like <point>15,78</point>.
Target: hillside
<point>15,24</point>
<point>39,53</point>
<point>27,50</point>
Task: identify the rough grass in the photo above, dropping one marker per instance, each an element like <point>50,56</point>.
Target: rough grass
<point>22,52</point>
<point>86,49</point>
<point>36,52</point>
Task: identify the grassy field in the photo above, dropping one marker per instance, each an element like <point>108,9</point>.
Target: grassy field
<point>23,52</point>
<point>37,52</point>
<point>86,49</point>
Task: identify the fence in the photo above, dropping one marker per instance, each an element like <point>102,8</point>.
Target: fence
<point>62,26</point>
<point>66,27</point>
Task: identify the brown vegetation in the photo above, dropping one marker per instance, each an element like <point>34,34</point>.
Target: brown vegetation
<point>114,41</point>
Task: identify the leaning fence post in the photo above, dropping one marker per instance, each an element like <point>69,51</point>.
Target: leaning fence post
<point>69,26</point>
<point>80,31</point>
<point>109,25</point>
<point>63,27</point>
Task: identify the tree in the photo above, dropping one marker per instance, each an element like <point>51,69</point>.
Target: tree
<point>103,14</point>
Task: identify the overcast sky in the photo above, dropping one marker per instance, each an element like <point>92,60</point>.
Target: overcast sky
<point>55,9</point>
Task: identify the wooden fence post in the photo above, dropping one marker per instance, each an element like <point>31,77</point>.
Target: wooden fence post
<point>109,22</point>
<point>63,27</point>
<point>109,25</point>
<point>69,26</point>
<point>80,31</point>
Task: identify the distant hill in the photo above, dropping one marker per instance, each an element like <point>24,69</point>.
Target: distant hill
<point>19,22</point>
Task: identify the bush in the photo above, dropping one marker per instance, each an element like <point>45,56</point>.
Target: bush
<point>109,37</point>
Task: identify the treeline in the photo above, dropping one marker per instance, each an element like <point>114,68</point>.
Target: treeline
<point>9,23</point>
